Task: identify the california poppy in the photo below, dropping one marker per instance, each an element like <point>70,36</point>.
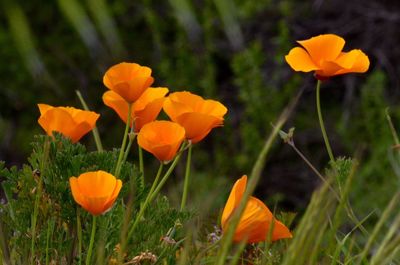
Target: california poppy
<point>129,80</point>
<point>71,122</point>
<point>197,115</point>
<point>323,54</point>
<point>256,220</point>
<point>144,110</point>
<point>162,139</point>
<point>95,191</point>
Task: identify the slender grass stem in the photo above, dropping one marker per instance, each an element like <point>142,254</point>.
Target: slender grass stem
<point>152,194</point>
<point>187,177</point>
<point>141,164</point>
<point>95,132</point>
<point>89,253</point>
<point>46,148</point>
<point>321,123</point>
<point>131,137</point>
<point>123,145</point>
<point>79,232</point>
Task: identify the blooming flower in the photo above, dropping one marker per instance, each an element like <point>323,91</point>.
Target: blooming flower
<point>256,219</point>
<point>129,80</point>
<point>144,110</point>
<point>323,54</point>
<point>196,115</point>
<point>71,122</point>
<point>161,138</point>
<point>95,191</point>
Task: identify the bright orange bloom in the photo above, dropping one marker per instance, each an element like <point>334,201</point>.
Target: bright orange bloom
<point>95,191</point>
<point>256,219</point>
<point>71,122</point>
<point>129,80</point>
<point>144,110</point>
<point>197,115</point>
<point>323,54</point>
<point>162,139</point>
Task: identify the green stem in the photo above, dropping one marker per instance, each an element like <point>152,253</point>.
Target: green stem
<point>132,137</point>
<point>187,177</point>
<point>153,193</point>
<point>141,165</point>
<point>89,253</point>
<point>321,123</point>
<point>123,145</point>
<point>156,179</point>
<point>79,231</point>
<point>95,132</point>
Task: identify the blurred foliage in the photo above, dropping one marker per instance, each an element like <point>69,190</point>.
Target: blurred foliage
<point>232,51</point>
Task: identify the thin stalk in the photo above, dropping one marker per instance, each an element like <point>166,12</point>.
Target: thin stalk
<point>79,232</point>
<point>152,195</point>
<point>132,137</point>
<point>321,123</point>
<point>89,254</point>
<point>46,148</point>
<point>95,132</point>
<point>187,177</point>
<point>155,182</point>
<point>141,165</point>
<point>123,145</point>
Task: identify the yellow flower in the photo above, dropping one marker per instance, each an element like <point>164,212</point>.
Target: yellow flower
<point>95,191</point>
<point>144,110</point>
<point>71,122</point>
<point>256,219</point>
<point>129,80</point>
<point>323,54</point>
<point>196,115</point>
<point>162,139</point>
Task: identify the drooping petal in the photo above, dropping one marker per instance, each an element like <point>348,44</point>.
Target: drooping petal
<point>300,60</point>
<point>354,61</point>
<point>325,47</point>
<point>198,125</point>
<point>234,199</point>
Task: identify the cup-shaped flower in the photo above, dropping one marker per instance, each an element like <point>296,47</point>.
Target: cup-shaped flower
<point>144,110</point>
<point>162,139</point>
<point>323,54</point>
<point>70,122</point>
<point>256,220</point>
<point>95,191</point>
<point>129,80</point>
<point>197,115</point>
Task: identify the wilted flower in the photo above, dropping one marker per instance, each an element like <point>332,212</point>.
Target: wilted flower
<point>95,191</point>
<point>70,122</point>
<point>129,80</point>
<point>144,110</point>
<point>256,220</point>
<point>323,54</point>
<point>162,139</point>
<point>197,115</point>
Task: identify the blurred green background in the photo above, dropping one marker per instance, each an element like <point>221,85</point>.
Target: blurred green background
<point>232,51</point>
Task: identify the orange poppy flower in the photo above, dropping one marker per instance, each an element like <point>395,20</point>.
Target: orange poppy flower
<point>323,54</point>
<point>95,191</point>
<point>162,139</point>
<point>71,122</point>
<point>129,80</point>
<point>256,219</point>
<point>197,115</point>
<point>144,110</point>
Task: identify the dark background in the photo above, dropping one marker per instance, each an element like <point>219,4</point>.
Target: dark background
<point>232,51</point>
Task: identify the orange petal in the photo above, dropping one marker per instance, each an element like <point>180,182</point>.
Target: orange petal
<point>161,138</point>
<point>76,193</point>
<point>113,196</point>
<point>117,103</point>
<point>97,184</point>
<point>213,108</point>
<point>234,199</point>
<point>43,108</point>
<point>151,94</point>
<point>198,125</point>
<point>325,47</point>
<point>300,60</point>
<point>354,61</point>
<point>95,205</point>
<point>56,119</point>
